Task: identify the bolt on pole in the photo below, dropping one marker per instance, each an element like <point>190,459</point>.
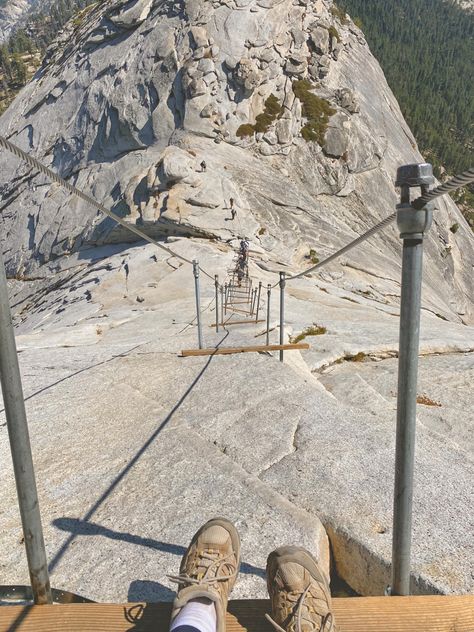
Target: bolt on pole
<point>21,451</point>
<point>258,300</point>
<point>269,293</point>
<point>412,225</point>
<point>198,300</point>
<point>282,284</point>
<point>216,286</point>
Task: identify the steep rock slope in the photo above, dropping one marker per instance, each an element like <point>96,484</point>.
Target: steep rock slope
<point>11,13</point>
<point>129,102</point>
<point>127,106</point>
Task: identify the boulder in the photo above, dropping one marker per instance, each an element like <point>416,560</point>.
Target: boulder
<point>175,165</point>
<point>348,100</point>
<point>336,140</point>
<point>319,39</point>
<point>199,36</point>
<point>247,75</point>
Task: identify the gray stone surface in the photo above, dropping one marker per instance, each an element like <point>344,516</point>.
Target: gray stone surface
<point>100,322</point>
<point>135,446</point>
<point>123,92</point>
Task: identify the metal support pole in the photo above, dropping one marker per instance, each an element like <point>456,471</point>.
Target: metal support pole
<point>198,300</point>
<point>282,284</point>
<point>269,293</point>
<point>222,305</point>
<point>254,300</point>
<point>225,298</point>
<point>216,286</point>
<point>21,451</point>
<point>412,225</point>
<point>258,300</point>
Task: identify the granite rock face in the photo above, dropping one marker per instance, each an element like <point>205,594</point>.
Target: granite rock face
<point>135,447</point>
<point>118,90</point>
<point>12,14</point>
<point>161,111</point>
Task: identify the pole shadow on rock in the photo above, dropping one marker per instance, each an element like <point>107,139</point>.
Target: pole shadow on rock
<point>149,591</point>
<point>64,547</point>
<point>77,527</point>
<point>78,372</point>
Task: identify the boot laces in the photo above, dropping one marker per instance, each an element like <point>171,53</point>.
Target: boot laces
<point>207,572</point>
<point>326,620</point>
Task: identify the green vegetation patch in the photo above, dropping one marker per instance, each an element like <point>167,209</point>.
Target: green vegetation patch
<point>339,13</point>
<point>21,54</point>
<point>333,32</point>
<point>425,48</point>
<point>263,121</point>
<point>313,257</point>
<point>314,330</point>
<point>315,109</point>
<point>245,130</point>
<point>358,357</point>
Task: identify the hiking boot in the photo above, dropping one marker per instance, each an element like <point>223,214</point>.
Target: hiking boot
<point>209,567</point>
<point>299,592</point>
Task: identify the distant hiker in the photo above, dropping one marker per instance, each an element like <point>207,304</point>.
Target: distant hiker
<point>244,249</point>
<point>203,165</point>
<point>233,212</point>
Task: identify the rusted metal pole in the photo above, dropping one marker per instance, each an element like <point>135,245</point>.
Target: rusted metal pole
<point>21,451</point>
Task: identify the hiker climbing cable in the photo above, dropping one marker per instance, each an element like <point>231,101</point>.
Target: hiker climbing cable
<point>299,592</point>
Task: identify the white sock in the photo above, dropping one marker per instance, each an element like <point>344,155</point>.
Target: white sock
<point>198,613</point>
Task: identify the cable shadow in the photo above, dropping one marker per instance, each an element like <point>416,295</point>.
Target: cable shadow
<point>63,548</point>
<point>87,368</point>
<point>82,527</point>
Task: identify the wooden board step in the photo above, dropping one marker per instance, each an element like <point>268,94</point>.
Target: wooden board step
<point>238,322</point>
<point>437,613</point>
<point>255,348</point>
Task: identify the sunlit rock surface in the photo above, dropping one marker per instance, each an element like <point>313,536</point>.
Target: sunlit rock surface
<point>135,446</point>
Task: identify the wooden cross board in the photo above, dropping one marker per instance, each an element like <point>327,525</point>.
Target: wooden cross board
<point>255,348</point>
<point>437,613</point>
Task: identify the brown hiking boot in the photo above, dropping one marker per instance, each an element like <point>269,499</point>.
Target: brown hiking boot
<point>299,592</point>
<point>209,567</point>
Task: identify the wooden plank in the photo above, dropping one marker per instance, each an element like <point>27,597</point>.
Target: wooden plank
<point>237,322</point>
<point>236,309</point>
<point>357,614</point>
<point>255,348</point>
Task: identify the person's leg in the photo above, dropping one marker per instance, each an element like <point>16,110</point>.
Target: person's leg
<point>299,592</point>
<point>206,576</point>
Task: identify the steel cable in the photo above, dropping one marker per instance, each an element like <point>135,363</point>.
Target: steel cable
<point>346,248</point>
<point>457,182</point>
<point>33,162</point>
